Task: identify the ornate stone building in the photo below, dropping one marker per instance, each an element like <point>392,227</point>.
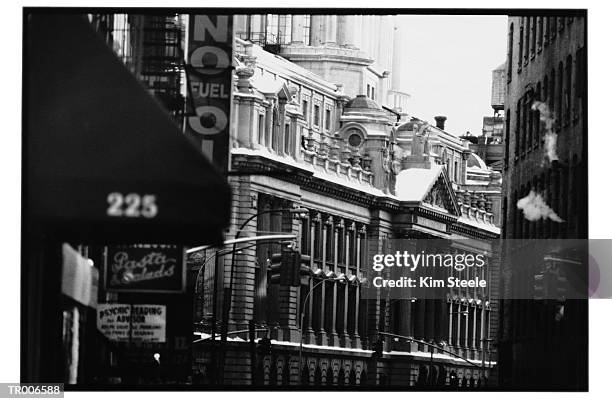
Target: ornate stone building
<point>300,140</point>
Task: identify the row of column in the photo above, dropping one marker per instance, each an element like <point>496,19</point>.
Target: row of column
<point>334,243</point>
<point>331,313</point>
<point>468,326</point>
<point>342,30</point>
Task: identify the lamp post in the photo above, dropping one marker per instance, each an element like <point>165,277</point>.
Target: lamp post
<point>233,242</point>
<point>228,305</point>
<point>302,312</point>
<point>227,298</point>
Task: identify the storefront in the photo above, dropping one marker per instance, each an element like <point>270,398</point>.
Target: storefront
<point>113,192</point>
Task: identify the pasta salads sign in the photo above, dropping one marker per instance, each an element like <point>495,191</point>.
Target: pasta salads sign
<point>145,268</point>
<point>209,68</point>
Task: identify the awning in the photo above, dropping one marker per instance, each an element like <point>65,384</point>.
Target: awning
<point>102,159</point>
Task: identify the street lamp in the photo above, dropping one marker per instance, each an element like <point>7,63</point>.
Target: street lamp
<point>340,278</point>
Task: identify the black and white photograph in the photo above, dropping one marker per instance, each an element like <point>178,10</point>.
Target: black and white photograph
<point>295,199</point>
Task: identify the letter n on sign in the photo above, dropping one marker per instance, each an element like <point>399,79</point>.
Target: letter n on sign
<point>209,69</point>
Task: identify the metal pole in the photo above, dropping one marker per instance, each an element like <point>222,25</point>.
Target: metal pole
<point>227,299</point>
<point>431,345</point>
<point>214,321</point>
<point>302,318</point>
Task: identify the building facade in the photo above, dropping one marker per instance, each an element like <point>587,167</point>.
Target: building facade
<point>320,122</point>
<point>545,101</point>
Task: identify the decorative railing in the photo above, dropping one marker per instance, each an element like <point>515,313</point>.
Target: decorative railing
<point>333,155</point>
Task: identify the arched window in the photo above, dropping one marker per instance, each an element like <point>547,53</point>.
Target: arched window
<point>273,373</point>
<point>536,117</point>
<point>363,378</point>
<point>352,377</point>
<point>533,35</point>
<point>317,376</point>
<point>568,89</point>
<point>305,375</point>
<point>329,375</point>
<point>341,377</point>
<point>540,32</point>
<point>517,131</point>
<point>422,377</point>
<point>287,372</point>
<point>520,54</point>
<point>551,91</point>
<point>560,111</point>
<point>527,38</point>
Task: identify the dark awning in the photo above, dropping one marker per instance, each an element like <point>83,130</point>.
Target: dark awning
<point>91,130</point>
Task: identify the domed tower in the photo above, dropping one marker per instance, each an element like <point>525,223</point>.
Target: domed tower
<point>367,131</point>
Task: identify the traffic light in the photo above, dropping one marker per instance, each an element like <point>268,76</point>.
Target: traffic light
<point>286,267</point>
<point>378,349</point>
<point>539,286</point>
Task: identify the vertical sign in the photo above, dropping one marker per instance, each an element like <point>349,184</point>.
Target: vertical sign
<point>210,85</point>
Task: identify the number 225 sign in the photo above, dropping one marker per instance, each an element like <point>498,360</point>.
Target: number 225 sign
<point>131,205</point>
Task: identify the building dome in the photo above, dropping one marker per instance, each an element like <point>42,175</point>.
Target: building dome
<point>474,161</point>
<point>363,102</point>
<point>408,126</point>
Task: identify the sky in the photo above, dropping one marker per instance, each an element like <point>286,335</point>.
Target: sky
<point>447,69</point>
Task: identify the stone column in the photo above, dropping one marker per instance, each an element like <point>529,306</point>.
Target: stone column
<point>308,315</point>
<point>450,324</point>
<point>322,335</point>
<point>297,30</point>
<point>330,26</point>
<point>347,30</point>
<point>316,25</point>
<point>355,339</point>
<point>331,319</point>
<point>341,306</point>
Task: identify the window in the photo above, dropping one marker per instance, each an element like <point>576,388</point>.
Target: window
<point>507,146</point>
<point>287,139</point>
<point>517,131</point>
<point>317,115</point>
<point>527,39</point>
<point>327,119</point>
<point>284,29</point>
<point>553,27</point>
<point>540,32</point>
<point>305,109</point>
<point>373,94</point>
<point>355,139</point>
<point>568,88</point>
<point>532,46</point>
<point>520,55</point>
<point>551,91</point>
<point>368,91</point>
<point>536,117</point>
<point>510,50</point>
<point>271,28</point>
<point>456,171</point>
<point>261,129</point>
<point>559,100</point>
